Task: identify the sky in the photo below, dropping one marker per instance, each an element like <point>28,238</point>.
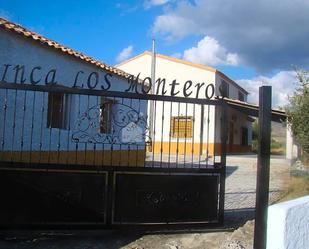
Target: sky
<point>253,42</point>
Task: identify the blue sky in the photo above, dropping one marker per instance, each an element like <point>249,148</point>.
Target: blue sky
<point>254,43</point>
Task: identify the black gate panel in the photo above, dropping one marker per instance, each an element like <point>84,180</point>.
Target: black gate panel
<point>71,156</point>
<point>52,197</point>
<point>157,198</point>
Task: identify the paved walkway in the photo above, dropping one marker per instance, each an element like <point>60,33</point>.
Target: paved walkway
<point>241,175</point>
<point>241,181</point>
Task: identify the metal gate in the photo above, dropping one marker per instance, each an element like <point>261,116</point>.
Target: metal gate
<point>73,156</point>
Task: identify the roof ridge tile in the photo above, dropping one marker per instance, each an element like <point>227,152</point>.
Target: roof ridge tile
<point>8,25</point>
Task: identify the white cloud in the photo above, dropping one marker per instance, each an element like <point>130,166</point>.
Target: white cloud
<point>150,3</point>
<point>125,54</point>
<point>283,85</point>
<point>173,26</point>
<point>266,34</point>
<point>176,24</point>
<point>209,52</point>
<point>127,8</point>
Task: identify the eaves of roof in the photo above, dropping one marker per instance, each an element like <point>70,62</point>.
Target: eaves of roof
<point>19,30</point>
<point>253,110</point>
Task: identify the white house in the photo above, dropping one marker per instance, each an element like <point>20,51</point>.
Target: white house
<point>59,127</point>
<point>185,128</point>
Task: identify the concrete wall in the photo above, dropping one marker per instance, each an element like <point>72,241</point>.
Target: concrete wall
<point>288,225</point>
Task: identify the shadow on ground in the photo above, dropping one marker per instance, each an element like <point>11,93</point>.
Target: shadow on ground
<point>71,239</point>
<point>235,218</point>
<point>230,170</point>
<point>107,239</point>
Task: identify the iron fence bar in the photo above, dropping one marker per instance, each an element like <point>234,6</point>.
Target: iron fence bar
<point>201,135</point>
<point>41,126</point>
<point>154,131</point>
<point>218,118</point>
<point>69,130</point>
<point>177,139</point>
<point>86,143</point>
<point>102,153</point>
<point>69,90</point>
<point>4,119</point>
<point>14,125</point>
<point>193,133</point>
<point>111,153</point>
<point>162,129</point>
<point>50,124</point>
<point>112,144</point>
<point>170,135</point>
<point>207,140</point>
<point>110,197</point>
<point>61,126</point>
<point>223,131</point>
<point>76,146</point>
<point>95,145</point>
<point>186,134</point>
<point>120,146</point>
<point>23,127</point>
<point>137,148</point>
<point>32,125</point>
<point>129,145</point>
<point>94,154</point>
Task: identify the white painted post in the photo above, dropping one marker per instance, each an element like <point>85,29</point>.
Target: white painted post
<point>291,148</point>
<point>288,225</point>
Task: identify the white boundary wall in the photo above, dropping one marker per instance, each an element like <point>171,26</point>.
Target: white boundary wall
<point>288,225</point>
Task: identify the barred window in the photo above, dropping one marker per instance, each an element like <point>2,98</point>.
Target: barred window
<point>106,115</point>
<point>224,89</point>
<point>241,96</point>
<point>181,127</point>
<point>58,110</point>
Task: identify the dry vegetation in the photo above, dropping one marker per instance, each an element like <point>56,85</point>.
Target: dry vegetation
<point>298,187</point>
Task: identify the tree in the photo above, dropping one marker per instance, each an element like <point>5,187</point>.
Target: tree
<point>298,111</point>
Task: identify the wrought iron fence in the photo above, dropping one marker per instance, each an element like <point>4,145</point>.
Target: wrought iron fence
<point>57,125</point>
<point>77,156</point>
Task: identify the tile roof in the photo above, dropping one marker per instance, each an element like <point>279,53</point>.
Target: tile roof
<point>7,25</point>
<point>253,109</point>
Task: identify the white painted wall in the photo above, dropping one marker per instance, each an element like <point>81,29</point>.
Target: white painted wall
<point>17,50</point>
<point>171,70</point>
<point>174,69</point>
<point>288,225</point>
<point>239,119</point>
